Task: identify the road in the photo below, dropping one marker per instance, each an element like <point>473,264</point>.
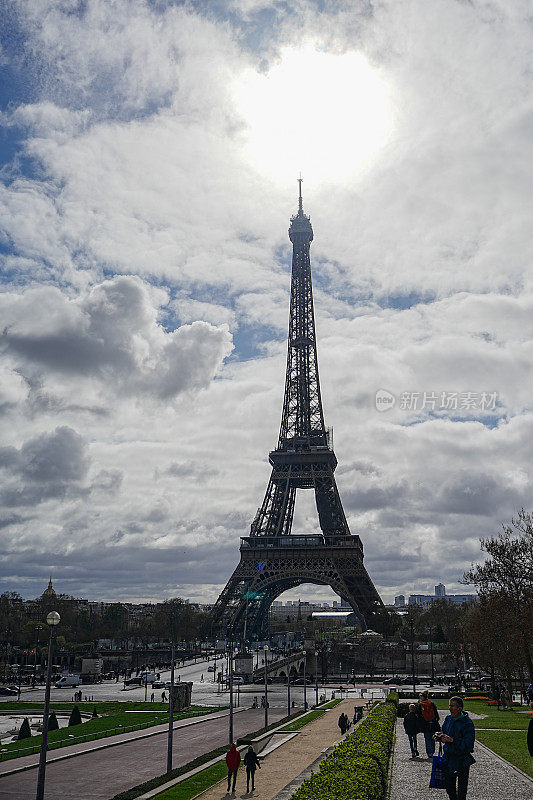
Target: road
<point>101,774</point>
<point>205,692</point>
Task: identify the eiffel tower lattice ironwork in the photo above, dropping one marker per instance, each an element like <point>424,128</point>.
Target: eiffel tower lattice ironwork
<point>272,559</point>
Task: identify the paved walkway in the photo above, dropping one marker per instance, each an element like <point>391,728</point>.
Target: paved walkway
<point>68,750</point>
<point>491,778</point>
<point>287,762</point>
<point>100,774</point>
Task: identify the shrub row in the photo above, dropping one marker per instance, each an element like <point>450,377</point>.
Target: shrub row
<point>357,768</point>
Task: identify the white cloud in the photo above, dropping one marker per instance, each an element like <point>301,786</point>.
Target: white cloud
<point>130,203</point>
<point>111,334</point>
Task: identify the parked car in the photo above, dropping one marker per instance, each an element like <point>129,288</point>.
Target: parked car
<point>158,685</point>
<point>211,668</point>
<point>302,682</point>
<point>7,690</point>
<point>134,681</point>
<point>238,679</point>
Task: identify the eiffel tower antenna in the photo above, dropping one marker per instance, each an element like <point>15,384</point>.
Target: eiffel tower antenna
<point>272,558</point>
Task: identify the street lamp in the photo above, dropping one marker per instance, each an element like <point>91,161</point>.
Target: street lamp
<point>265,651</point>
<point>288,691</point>
<point>231,692</point>
<point>170,709</point>
<point>52,620</point>
<point>316,677</point>
<point>411,626</point>
<point>305,682</point>
<point>432,661</point>
<point>38,629</point>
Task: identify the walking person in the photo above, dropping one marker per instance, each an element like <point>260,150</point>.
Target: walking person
<point>458,735</point>
<point>342,724</point>
<point>251,762</point>
<point>233,759</point>
<point>428,721</point>
<point>410,726</point>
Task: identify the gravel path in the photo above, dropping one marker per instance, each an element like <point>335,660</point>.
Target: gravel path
<point>491,778</point>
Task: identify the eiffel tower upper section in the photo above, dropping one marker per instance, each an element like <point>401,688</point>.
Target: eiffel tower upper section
<point>303,458</point>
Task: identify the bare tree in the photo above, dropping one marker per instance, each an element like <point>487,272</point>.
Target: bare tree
<point>507,574</point>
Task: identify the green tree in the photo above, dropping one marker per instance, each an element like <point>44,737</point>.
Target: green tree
<point>25,730</point>
<point>75,717</point>
<point>53,724</point>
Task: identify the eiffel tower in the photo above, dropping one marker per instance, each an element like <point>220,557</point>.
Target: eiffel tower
<point>272,559</point>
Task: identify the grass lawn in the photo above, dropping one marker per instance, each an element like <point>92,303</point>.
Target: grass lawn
<point>510,745</point>
<point>495,718</point>
<point>101,708</point>
<point>331,704</point>
<point>112,723</point>
<point>193,786</point>
<point>299,723</point>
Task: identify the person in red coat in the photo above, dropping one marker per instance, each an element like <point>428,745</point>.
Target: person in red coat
<point>233,759</point>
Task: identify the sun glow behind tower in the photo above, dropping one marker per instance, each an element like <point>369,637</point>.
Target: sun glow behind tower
<point>324,114</point>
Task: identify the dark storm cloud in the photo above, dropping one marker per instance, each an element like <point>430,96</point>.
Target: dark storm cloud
<point>121,572</point>
<point>477,494</point>
<point>51,465</point>
<point>365,499</point>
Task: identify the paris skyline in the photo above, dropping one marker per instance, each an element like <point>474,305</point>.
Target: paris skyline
<point>149,172</point>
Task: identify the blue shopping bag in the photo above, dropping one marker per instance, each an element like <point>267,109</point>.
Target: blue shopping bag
<point>437,772</point>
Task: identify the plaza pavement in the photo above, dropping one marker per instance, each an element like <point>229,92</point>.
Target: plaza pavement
<point>491,778</point>
<point>102,772</point>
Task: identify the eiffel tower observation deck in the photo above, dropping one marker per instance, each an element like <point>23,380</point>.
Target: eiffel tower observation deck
<point>272,558</point>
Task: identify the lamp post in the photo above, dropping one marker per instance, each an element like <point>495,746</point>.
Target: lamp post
<point>52,620</point>
<point>411,625</point>
<point>38,629</point>
<point>316,677</point>
<point>431,649</point>
<point>170,710</point>
<point>305,681</point>
<point>288,691</point>
<point>265,651</point>
<point>231,692</point>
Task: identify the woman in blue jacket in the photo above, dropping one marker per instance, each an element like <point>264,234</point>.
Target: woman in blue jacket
<point>457,735</point>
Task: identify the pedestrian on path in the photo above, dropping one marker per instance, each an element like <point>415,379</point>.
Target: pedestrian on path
<point>428,721</point>
<point>233,759</point>
<point>343,723</point>
<point>458,735</point>
<point>530,732</point>
<point>410,726</point>
<point>251,762</point>
<point>163,697</point>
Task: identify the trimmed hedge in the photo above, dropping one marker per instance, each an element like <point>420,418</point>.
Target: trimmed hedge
<point>357,768</point>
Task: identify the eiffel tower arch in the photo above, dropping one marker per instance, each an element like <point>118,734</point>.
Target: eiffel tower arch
<point>272,558</point>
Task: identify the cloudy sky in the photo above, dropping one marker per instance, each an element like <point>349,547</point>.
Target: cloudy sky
<point>149,157</point>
